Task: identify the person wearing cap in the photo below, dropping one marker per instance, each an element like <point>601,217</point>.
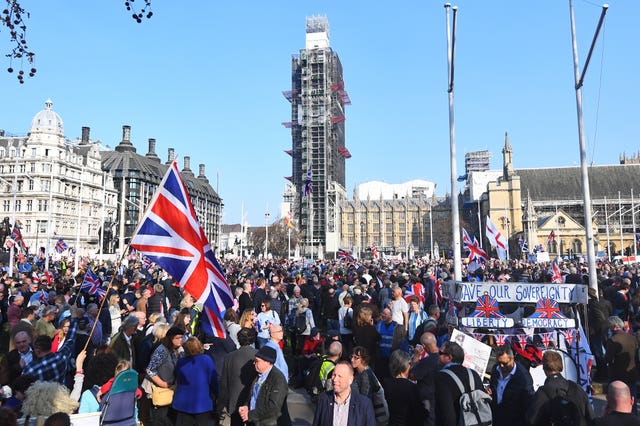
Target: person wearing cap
<point>122,344</point>
<point>267,393</point>
<point>161,371</point>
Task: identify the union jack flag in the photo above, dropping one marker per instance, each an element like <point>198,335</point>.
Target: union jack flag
<point>501,339</point>
<point>35,278</point>
<point>437,292</point>
<point>568,336</point>
<point>345,255</point>
<point>556,276</point>
<point>170,235</point>
<point>16,235</point>
<point>487,307</point>
<point>148,264</point>
<point>522,340</point>
<point>546,338</point>
<point>92,284</point>
<point>308,183</point>
<point>547,308</point>
<point>473,247</point>
<point>61,245</point>
<point>415,289</point>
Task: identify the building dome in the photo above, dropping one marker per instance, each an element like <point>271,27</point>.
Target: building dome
<point>47,121</point>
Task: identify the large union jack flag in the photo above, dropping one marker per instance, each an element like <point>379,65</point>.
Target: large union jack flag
<point>345,255</point>
<point>547,308</point>
<point>487,307</point>
<point>476,253</point>
<point>16,235</point>
<point>556,274</point>
<point>92,284</point>
<point>61,245</point>
<point>170,235</point>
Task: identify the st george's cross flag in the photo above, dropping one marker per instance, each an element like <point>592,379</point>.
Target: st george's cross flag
<point>496,239</point>
<point>170,235</point>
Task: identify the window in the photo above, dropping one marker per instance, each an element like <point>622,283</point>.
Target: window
<point>389,228</point>
<point>32,167</point>
<point>20,185</point>
<point>23,168</point>
<point>31,184</point>
<point>42,205</point>
<point>33,152</point>
<point>18,205</point>
<point>42,226</point>
<point>6,205</point>
<point>27,226</point>
<point>29,205</point>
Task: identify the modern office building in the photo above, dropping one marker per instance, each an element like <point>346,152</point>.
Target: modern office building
<point>318,99</point>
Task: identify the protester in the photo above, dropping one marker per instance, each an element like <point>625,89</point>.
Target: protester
<point>405,407</point>
<point>267,393</point>
<point>511,389</point>
<point>341,406</point>
<point>424,370</point>
<point>543,410</point>
<point>619,407</point>
<point>196,386</point>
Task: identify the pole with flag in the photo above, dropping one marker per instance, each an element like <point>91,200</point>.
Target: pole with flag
<point>497,240</point>
<point>170,235</point>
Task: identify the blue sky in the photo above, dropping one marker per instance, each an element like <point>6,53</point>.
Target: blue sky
<point>206,78</point>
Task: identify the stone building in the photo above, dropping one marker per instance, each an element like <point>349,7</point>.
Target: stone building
<point>53,186</point>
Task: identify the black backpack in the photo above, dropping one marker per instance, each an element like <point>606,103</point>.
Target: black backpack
<point>563,409</point>
<point>348,319</point>
<point>301,322</point>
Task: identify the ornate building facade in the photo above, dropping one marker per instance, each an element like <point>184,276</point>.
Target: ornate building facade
<point>54,187</point>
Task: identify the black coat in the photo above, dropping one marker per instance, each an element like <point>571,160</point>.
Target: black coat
<point>516,397</point>
<point>539,409</point>
<point>448,394</point>
<point>271,397</point>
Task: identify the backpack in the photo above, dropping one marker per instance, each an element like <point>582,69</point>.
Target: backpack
<point>301,323</point>
<point>380,405</point>
<point>313,382</point>
<point>475,404</point>
<point>563,409</point>
<point>347,321</point>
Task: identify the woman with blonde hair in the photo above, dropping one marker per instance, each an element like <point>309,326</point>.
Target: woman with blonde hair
<point>248,319</point>
<point>196,385</point>
<point>115,312</point>
<point>366,335</point>
<point>303,309</point>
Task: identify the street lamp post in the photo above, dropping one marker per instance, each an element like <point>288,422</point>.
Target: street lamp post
<point>266,234</point>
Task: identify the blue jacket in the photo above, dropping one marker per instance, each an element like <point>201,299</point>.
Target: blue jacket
<point>360,410</point>
<point>196,380</point>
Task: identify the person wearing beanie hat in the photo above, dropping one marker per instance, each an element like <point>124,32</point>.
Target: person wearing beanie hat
<point>268,391</point>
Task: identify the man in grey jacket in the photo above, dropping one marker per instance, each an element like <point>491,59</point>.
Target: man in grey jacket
<point>238,375</point>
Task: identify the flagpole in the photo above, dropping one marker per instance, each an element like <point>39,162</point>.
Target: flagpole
<point>606,216</point>
<point>289,243</point>
<point>46,262</point>
<point>620,222</point>
<point>15,218</point>
<point>77,256</point>
<point>633,222</point>
<point>479,222</point>
<point>557,232</point>
<point>104,197</point>
<point>455,214</point>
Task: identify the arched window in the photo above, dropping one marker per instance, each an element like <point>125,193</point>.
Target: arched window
<point>577,246</point>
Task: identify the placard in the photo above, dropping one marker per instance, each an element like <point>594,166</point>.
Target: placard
<point>476,353</point>
<point>521,292</point>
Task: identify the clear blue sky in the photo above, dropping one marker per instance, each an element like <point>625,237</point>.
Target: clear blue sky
<point>206,77</point>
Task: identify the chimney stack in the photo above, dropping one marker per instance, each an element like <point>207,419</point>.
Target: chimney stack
<point>85,135</point>
<point>201,175</point>
<point>171,156</point>
<point>187,164</point>
<point>152,150</point>
<point>125,144</point>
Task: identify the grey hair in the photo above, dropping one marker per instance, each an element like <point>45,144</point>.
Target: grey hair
<point>615,322</point>
<point>399,362</point>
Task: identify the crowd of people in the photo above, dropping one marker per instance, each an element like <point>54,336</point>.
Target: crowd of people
<point>366,339</point>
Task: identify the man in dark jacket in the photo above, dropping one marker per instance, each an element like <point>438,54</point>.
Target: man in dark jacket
<point>599,309</point>
<point>424,372</point>
<point>268,391</point>
<point>447,391</point>
<point>539,412</point>
<point>237,375</point>
<point>352,408</point>
<point>621,354</point>
<point>618,408</point>
<point>511,389</point>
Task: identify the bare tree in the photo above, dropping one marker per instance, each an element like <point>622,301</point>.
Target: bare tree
<point>278,239</point>
<point>13,19</point>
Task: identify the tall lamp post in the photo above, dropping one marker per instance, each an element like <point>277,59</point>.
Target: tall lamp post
<point>266,234</point>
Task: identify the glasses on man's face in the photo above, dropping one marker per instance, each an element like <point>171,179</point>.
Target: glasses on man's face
<point>355,357</point>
